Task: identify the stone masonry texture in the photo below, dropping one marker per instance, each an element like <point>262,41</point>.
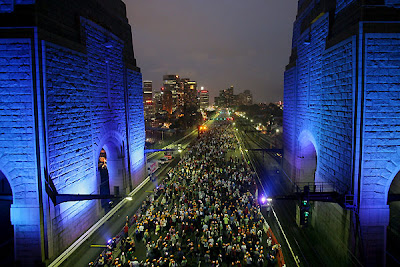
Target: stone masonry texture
<point>342,95</point>
<point>321,86</point>
<point>67,91</point>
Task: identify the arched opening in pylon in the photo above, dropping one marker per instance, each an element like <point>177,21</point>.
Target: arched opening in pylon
<point>7,229</point>
<point>104,177</point>
<point>393,229</point>
<point>306,163</point>
<point>111,171</point>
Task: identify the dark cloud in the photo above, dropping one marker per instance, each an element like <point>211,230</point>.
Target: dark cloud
<point>245,43</point>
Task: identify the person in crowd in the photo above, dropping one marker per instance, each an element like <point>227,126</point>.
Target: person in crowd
<point>203,211</point>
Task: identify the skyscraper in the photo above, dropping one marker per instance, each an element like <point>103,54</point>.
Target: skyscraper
<point>190,94</point>
<point>148,100</point>
<point>204,99</point>
<point>172,88</point>
<point>157,101</point>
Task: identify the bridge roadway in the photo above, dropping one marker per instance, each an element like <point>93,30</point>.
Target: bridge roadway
<point>184,141</point>
<point>303,242</point>
<point>84,253</point>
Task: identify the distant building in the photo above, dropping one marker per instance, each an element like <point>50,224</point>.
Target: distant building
<point>148,100</point>
<point>157,102</point>
<point>190,94</point>
<point>171,90</point>
<point>179,94</point>
<point>227,98</point>
<point>245,98</point>
<point>279,104</point>
<point>204,99</point>
<point>248,97</point>
<point>228,94</point>
<point>217,101</point>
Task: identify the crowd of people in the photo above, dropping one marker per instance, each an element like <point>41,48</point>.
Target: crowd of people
<point>204,213</point>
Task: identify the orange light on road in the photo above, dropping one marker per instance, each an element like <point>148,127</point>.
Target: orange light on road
<point>202,128</point>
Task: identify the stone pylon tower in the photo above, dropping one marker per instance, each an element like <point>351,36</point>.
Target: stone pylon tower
<point>342,103</point>
<point>71,98</point>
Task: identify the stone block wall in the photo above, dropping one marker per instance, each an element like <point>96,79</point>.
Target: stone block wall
<point>68,119</point>
<point>328,218</point>
<point>136,124</point>
<point>106,75</point>
<point>347,99</point>
<point>297,32</point>
<point>17,142</point>
<point>321,108</point>
<point>17,119</point>
<point>70,149</point>
<point>323,103</point>
<point>86,111</point>
<point>337,112</point>
<point>68,90</point>
<point>305,81</point>
<point>382,116</point>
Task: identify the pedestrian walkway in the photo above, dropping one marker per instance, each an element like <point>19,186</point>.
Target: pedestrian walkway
<point>203,214</point>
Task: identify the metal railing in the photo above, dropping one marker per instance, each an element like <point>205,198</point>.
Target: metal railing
<point>319,187</point>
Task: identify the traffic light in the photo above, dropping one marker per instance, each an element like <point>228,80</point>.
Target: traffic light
<point>304,213</point>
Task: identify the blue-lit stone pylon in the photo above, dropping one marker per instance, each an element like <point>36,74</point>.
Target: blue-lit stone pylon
<point>342,106</point>
<point>67,91</point>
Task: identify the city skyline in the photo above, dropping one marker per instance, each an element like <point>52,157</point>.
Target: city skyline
<point>199,89</point>
<point>229,44</point>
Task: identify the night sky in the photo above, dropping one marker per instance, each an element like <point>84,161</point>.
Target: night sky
<point>218,43</point>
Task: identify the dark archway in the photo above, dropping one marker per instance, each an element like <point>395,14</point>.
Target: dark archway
<point>306,163</point>
<point>111,170</point>
<point>104,177</point>
<point>393,229</point>
<point>7,229</point>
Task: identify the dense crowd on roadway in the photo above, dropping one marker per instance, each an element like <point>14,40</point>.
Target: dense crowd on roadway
<point>204,213</point>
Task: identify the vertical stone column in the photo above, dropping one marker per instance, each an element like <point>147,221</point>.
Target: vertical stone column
<point>374,221</point>
<point>26,222</point>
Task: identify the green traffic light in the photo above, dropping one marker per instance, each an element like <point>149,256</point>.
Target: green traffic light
<point>304,202</point>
